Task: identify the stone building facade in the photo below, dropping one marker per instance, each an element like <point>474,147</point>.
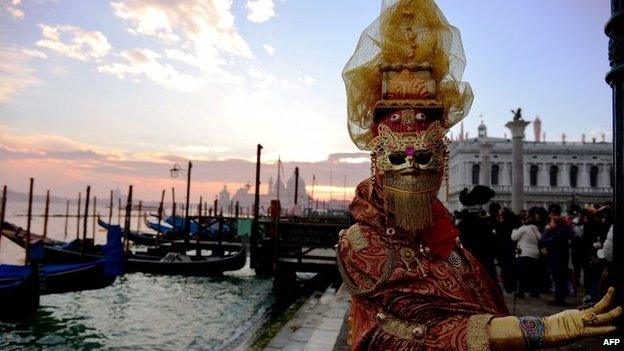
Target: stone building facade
<point>554,172</point>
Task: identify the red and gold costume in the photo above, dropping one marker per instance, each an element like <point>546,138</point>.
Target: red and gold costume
<point>412,292</point>
<point>413,286</point>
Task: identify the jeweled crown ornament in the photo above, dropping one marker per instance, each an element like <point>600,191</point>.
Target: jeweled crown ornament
<point>409,58</point>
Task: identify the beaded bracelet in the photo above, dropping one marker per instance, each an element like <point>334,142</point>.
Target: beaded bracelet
<point>533,330</point>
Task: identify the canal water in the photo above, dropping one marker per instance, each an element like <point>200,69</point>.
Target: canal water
<point>139,311</point>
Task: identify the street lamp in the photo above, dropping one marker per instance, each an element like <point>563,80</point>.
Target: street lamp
<point>175,172</point>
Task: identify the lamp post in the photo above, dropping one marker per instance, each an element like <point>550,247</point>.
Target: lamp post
<point>615,31</point>
<point>175,171</point>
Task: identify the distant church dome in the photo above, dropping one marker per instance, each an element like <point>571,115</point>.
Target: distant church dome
<point>290,185</point>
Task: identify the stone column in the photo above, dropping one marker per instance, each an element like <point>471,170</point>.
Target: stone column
<point>485,176</point>
<point>583,176</point>
<point>517,185</point>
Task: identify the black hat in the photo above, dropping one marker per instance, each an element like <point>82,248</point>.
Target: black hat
<point>478,196</point>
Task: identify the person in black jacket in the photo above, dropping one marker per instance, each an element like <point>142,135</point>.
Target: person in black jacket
<point>555,240</point>
<point>474,229</point>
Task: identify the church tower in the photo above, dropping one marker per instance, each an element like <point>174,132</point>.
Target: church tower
<point>537,129</point>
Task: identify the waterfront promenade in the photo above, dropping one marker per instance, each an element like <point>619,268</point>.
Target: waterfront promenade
<point>321,322</point>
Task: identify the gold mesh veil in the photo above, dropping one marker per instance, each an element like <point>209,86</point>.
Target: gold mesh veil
<point>406,32</point>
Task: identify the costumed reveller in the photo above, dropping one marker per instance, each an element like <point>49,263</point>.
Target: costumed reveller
<point>413,286</point>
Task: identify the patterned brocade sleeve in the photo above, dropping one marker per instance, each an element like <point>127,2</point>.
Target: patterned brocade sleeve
<point>364,265</point>
<point>477,338</point>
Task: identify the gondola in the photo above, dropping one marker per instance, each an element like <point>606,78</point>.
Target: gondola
<point>21,286</point>
<point>174,238</point>
<point>137,237</point>
<point>170,263</point>
<point>61,277</point>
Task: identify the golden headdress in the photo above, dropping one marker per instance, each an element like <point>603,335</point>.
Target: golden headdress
<point>409,37</point>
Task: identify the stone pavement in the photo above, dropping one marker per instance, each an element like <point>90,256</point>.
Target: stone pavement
<point>320,324</point>
<point>316,325</point>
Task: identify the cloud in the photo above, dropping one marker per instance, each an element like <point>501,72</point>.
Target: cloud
<point>144,62</point>
<point>65,166</point>
<point>34,53</point>
<point>259,11</point>
<point>206,27</point>
<point>306,79</point>
<point>15,74</point>
<point>74,42</point>
<point>201,149</point>
<point>14,10</point>
<point>269,49</point>
<point>263,80</point>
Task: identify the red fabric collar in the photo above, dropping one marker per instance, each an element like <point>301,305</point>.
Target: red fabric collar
<point>367,209</point>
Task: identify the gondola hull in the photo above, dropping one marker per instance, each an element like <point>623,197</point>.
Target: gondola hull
<point>63,278</point>
<point>209,265</point>
<point>205,266</point>
<point>19,296</point>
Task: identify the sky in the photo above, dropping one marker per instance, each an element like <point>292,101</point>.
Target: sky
<point>111,93</point>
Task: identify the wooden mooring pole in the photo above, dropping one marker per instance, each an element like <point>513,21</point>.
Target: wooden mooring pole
<point>94,217</point>
<point>86,220</point>
<point>27,242</point>
<point>139,217</point>
<point>66,218</point>
<point>127,221</point>
<point>173,203</point>
<point>110,209</point>
<point>46,214</point>
<point>78,217</point>
<point>256,210</point>
<point>161,209</point>
<point>2,210</point>
<point>199,228</point>
<point>118,211</point>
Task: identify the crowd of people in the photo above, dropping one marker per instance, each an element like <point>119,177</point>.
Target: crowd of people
<point>541,250</point>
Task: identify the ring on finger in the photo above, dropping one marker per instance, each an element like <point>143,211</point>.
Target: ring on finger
<point>589,318</point>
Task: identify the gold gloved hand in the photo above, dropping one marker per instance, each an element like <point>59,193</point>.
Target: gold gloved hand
<point>559,329</point>
<point>570,325</point>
